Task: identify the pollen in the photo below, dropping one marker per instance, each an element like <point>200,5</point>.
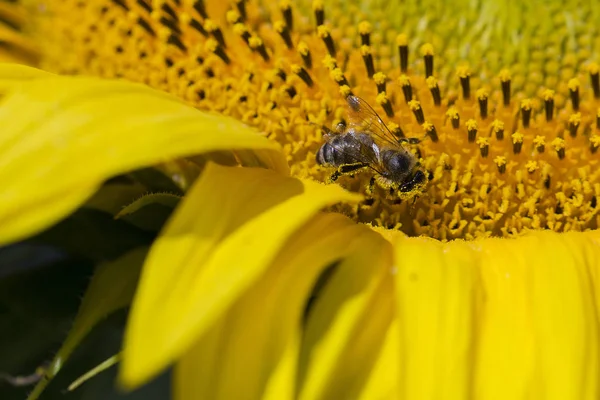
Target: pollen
<point>506,131</point>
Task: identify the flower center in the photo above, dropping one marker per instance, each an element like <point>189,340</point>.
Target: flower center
<point>516,144</point>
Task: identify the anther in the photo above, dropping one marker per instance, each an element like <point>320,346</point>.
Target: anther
<point>574,122</point>
<point>559,146</point>
<point>432,83</point>
<point>200,8</point>
<point>170,24</point>
<point>532,166</point>
<point>427,50</point>
<point>500,162</point>
<point>484,146</point>
<point>574,93</point>
<point>286,11</point>
<point>212,46</point>
<point>385,103</point>
<point>241,6</point>
<point>415,107</point>
<point>242,30</point>
<point>329,62</point>
<point>215,31</point>
<point>498,129</point>
<point>169,11</point>
<point>380,80</point>
<point>146,26</point>
<point>452,113</point>
<point>430,131</point>
<point>176,41</point>
<point>406,87</point>
<point>319,12</point>
<point>284,32</point>
<point>338,77</point>
<point>548,104</point>
<point>402,42</point>
<point>540,143</point>
<point>526,112</point>
<point>345,91</point>
<point>257,44</point>
<point>147,7</point>
<point>482,98</point>
<point>396,130</point>
<point>517,139</point>
<point>301,72</point>
<point>233,17</point>
<point>594,70</point>
<point>324,34</point>
<point>367,56</point>
<point>304,52</point>
<point>505,82</point>
<point>471,125</point>
<point>464,75</point>
<point>365,29</point>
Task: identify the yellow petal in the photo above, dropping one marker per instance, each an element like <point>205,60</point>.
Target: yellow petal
<point>62,137</point>
<point>252,350</point>
<point>499,319</point>
<point>347,328</point>
<point>219,242</point>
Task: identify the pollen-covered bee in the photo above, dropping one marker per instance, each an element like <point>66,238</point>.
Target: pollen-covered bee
<point>367,143</point>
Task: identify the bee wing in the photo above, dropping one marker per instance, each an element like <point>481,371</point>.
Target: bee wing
<point>367,154</point>
<point>362,117</point>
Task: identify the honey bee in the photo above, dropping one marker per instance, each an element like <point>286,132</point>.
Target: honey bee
<point>366,143</point>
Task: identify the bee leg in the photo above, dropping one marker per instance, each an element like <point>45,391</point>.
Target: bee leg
<point>412,140</point>
<point>333,177</point>
<point>370,187</point>
<point>346,169</point>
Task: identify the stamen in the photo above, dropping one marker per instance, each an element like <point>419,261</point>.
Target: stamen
<point>464,75</point>
<point>500,162</point>
<point>241,6</point>
<point>484,146</point>
<point>402,42</point>
<point>427,51</point>
<point>284,32</point>
<point>212,46</point>
<point>574,92</point>
<point>380,80</point>
<point>594,143</point>
<point>319,12</point>
<point>517,139</point>
<point>170,24</point>
<point>303,74</point>
<point>257,44</point>
<point>174,40</point>
<point>396,130</point>
<point>215,31</point>
<point>286,10</point>
<point>471,125</point>
<point>324,34</point>
<point>482,98</point>
<point>452,113</point>
<point>304,52</point>
<point>200,8</point>
<point>498,129</point>
<point>505,81</point>
<point>594,70</point>
<point>406,87</point>
<point>365,29</point>
<point>548,104</point>
<point>233,17</point>
<point>345,91</point>
<point>574,122</point>
<point>532,166</point>
<point>540,143</point>
<point>338,77</point>
<point>121,3</point>
<point>526,112</point>
<point>368,60</point>
<point>430,131</point>
<point>145,6</point>
<point>559,146</point>
<point>432,83</point>
<point>146,26</point>
<point>384,102</point>
<point>169,11</point>
<point>415,107</point>
<point>242,30</point>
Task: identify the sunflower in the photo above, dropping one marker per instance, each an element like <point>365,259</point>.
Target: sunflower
<point>196,124</point>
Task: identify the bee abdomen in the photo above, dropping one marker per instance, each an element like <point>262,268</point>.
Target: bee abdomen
<point>325,154</point>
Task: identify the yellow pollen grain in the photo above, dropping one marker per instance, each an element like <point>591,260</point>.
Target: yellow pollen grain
<point>317,5</point>
<point>463,71</point>
<point>558,143</point>
<point>279,26</point>
<point>573,84</point>
<point>240,28</point>
<point>481,94</point>
<point>471,124</point>
<point>517,137</point>
<point>303,48</point>
<point>526,104</point>
<point>323,31</point>
<point>500,160</point>
<point>427,49</point>
<point>233,16</point>
<point>482,142</point>
<point>345,91</point>
<point>539,141</point>
<point>593,68</point>
<point>575,119</point>
<point>452,113</point>
<point>365,50</point>
<point>431,81</point>
<point>504,75</point>
<point>337,74</point>
<point>532,166</point>
<point>382,98</point>
<point>548,94</point>
<point>402,40</point>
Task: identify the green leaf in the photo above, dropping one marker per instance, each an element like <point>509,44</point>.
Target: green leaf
<point>111,288</point>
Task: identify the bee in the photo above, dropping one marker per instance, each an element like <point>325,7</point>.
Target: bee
<point>366,143</point>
